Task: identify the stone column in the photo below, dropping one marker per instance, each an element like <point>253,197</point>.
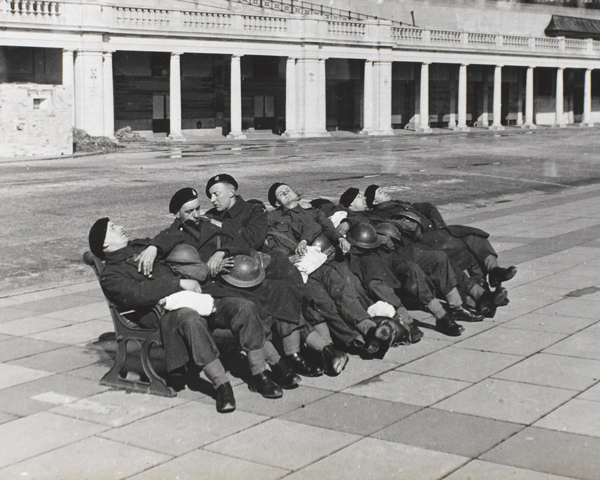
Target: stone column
<point>322,75</point>
<point>383,98</point>
<point>68,78</point>
<point>236,98</point>
<point>109,99</point>
<point>309,103</point>
<point>462,99</point>
<point>424,101</point>
<point>559,122</point>
<point>290,98</point>
<point>497,123</point>
<point>89,92</point>
<point>452,113</point>
<point>587,99</point>
<point>368,98</point>
<point>529,100</point>
<point>175,97</point>
<point>521,96</point>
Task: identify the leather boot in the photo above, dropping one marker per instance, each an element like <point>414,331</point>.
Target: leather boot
<point>302,367</point>
<point>334,360</point>
<point>448,326</point>
<point>284,376</point>
<point>265,386</point>
<point>225,398</point>
<point>463,315</point>
<point>498,275</point>
<point>380,337</point>
<point>489,301</point>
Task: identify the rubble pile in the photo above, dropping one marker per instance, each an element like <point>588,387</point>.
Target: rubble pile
<point>83,142</point>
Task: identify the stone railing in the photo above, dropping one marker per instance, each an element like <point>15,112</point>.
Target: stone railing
<point>139,20</point>
<point>31,8</point>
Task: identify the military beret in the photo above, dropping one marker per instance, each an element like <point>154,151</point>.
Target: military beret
<point>348,196</point>
<point>272,191</point>
<point>319,202</point>
<point>221,178</point>
<point>370,194</point>
<point>181,197</point>
<point>97,236</point>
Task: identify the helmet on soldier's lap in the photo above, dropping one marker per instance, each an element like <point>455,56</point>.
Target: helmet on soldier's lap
<point>389,230</point>
<point>363,235</point>
<point>324,244</point>
<point>409,216</point>
<point>246,272</point>
<point>184,253</point>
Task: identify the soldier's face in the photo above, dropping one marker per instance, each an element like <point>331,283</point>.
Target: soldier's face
<point>285,195</point>
<point>381,196</point>
<point>190,211</point>
<point>115,237</point>
<point>359,204</point>
<point>221,196</point>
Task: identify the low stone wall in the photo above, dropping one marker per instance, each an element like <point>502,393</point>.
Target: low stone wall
<point>35,120</point>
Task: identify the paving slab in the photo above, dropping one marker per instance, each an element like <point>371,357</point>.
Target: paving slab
<point>62,302</point>
<point>11,375</point>
<point>556,453</point>
<point>82,313</point>
<point>576,416</point>
<point>80,333</point>
<point>554,371</point>
<point>92,458</point>
<point>408,388</point>
<point>460,364</point>
<point>296,445</point>
<point>183,428</point>
<point>539,322</point>
<point>29,325</point>
<point>63,359</point>
<point>592,393</point>
<point>373,459</point>
<point>210,466</point>
<point>351,413</point>
<point>583,344</point>
<point>507,401</point>
<point>449,432</point>
<point>492,471</point>
<point>15,348</point>
<point>8,314</point>
<point>36,434</point>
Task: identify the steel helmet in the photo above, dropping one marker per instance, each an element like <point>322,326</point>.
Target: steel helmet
<point>323,242</point>
<point>389,230</point>
<point>363,235</point>
<point>246,272</point>
<point>410,216</point>
<point>184,253</point>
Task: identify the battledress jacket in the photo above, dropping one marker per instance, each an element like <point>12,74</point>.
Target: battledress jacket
<point>129,289</point>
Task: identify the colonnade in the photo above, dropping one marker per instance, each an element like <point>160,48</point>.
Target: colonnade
<point>90,75</point>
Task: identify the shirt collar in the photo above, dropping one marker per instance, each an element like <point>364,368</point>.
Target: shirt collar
<point>119,255</point>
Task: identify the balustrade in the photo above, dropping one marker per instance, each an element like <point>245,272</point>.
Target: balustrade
<point>348,29</point>
<point>33,8</point>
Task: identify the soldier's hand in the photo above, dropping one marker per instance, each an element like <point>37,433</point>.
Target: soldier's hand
<point>214,263</point>
<point>226,264</point>
<point>190,285</point>
<point>145,260</point>
<point>302,247</point>
<point>345,245</point>
<point>343,228</point>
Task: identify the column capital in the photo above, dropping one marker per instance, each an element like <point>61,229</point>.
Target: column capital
<point>499,66</point>
<point>108,53</point>
<point>176,53</point>
<point>69,50</point>
<point>425,63</point>
<point>465,64</point>
<point>237,55</point>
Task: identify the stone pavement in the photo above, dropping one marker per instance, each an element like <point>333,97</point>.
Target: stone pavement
<point>514,397</point>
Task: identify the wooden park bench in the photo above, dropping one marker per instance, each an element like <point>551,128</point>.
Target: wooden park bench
<point>127,330</point>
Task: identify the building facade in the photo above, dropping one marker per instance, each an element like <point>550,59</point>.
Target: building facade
<point>183,68</point>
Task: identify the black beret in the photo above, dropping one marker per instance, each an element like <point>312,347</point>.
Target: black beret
<point>319,202</point>
<point>271,195</point>
<point>181,197</point>
<point>370,194</point>
<point>97,236</point>
<point>348,196</point>
<point>221,178</point>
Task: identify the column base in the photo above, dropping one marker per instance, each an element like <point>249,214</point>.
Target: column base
<point>377,133</point>
<point>324,133</point>
<point>237,135</point>
<point>291,134</point>
<point>423,130</point>
<point>528,126</point>
<point>559,125</point>
<point>586,124</point>
<point>461,128</point>
<point>177,137</point>
<point>497,128</point>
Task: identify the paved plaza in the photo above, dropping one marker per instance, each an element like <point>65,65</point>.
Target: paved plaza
<point>515,397</point>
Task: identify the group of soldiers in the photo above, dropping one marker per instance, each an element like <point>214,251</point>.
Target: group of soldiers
<point>301,285</point>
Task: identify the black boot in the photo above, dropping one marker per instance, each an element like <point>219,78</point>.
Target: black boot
<point>225,398</point>
<point>448,326</point>
<point>463,315</point>
<point>334,360</point>
<point>498,275</point>
<point>380,337</point>
<point>302,367</point>
<point>265,386</point>
<point>489,301</point>
<point>284,376</point>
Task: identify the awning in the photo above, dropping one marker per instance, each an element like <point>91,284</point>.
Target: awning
<point>573,27</point>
